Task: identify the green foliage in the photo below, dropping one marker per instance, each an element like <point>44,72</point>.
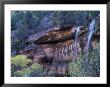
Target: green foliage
<point>34,70</point>
<point>92,63</point>
<point>89,65</point>
<point>75,68</point>
<point>20,67</point>
<point>22,73</point>
<point>19,62</point>
<point>36,67</point>
<point>23,24</point>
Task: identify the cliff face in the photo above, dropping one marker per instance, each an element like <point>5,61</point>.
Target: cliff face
<point>57,48</point>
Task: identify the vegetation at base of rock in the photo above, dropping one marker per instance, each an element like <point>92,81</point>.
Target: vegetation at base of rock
<point>22,66</point>
<point>19,62</point>
<point>83,67</point>
<point>88,66</point>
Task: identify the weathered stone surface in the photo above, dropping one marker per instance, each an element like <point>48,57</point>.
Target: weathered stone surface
<point>49,53</point>
<point>39,58</point>
<point>55,48</point>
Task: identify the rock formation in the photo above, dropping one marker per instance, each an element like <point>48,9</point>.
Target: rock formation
<point>54,49</point>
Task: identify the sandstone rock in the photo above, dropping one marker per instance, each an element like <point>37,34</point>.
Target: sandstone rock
<point>49,53</point>
<point>53,53</point>
<point>62,70</point>
<point>39,58</point>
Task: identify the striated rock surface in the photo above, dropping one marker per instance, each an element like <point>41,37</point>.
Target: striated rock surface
<point>54,49</point>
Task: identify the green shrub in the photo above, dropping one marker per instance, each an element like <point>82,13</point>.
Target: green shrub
<point>36,66</point>
<point>34,70</point>
<point>75,68</point>
<point>91,63</point>
<point>20,67</point>
<point>88,65</point>
<point>22,73</point>
<point>19,62</point>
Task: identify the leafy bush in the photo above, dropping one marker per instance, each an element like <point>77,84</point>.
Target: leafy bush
<point>34,70</point>
<point>19,62</point>
<point>89,65</point>
<point>75,67</point>
<point>22,73</point>
<point>20,67</point>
